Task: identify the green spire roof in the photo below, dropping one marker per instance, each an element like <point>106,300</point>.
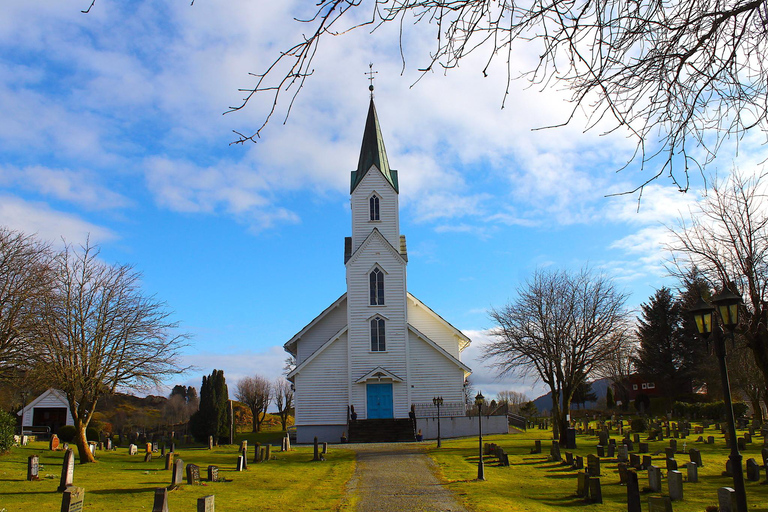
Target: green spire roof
<point>373,153</point>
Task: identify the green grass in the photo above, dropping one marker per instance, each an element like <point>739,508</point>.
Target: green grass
<point>120,482</point>
<point>532,484</point>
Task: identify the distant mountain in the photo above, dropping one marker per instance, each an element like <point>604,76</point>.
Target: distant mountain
<point>599,387</point>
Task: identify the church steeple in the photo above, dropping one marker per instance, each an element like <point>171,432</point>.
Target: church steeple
<point>372,152</point>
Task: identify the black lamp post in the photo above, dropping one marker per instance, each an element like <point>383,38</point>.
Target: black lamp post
<point>727,305</point>
<point>438,401</point>
<point>479,400</point>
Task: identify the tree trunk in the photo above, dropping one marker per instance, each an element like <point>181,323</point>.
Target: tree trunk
<point>82,443</point>
<point>255,421</point>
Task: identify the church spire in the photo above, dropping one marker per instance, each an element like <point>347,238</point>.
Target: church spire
<point>372,152</point>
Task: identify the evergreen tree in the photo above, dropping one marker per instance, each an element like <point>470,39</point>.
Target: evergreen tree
<point>584,393</point>
<point>610,400</point>
<point>664,355</point>
<point>212,418</point>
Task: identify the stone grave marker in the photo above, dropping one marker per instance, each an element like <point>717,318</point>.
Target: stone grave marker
<point>210,442</point>
<point>634,461</point>
<point>213,473</point>
<point>647,462</point>
<point>148,457</point>
<point>177,477</point>
<point>753,470</point>
<point>675,483</point>
<point>244,453</point>
<point>748,438</point>
<point>53,444</point>
<point>168,461</point>
<point>161,500</point>
<point>569,458</point>
<point>173,446</point>
<point>578,462</point>
<point>325,448</point>
<point>109,444</point>
<point>148,448</point>
<point>263,456</point>
<point>268,451</point>
<point>133,449</point>
<point>33,467</point>
<point>193,474</point>
<point>595,491</point>
<point>600,450</point>
<point>537,447</point>
<point>742,444</point>
<point>764,453</point>
<point>611,450</point>
<point>726,499</point>
<point>582,485</point>
<point>643,448</point>
<point>72,499</point>
<point>603,438</point>
<point>671,465</point>
<point>636,438</point>
<point>205,504</point>
<point>623,455</point>
<point>154,446</point>
<point>728,468</point>
<point>240,463</point>
<point>695,456</point>
<point>554,452</point>
<point>633,492</point>
<point>287,443</point>
<point>654,478</point>
<point>593,465</point>
<point>673,445</point>
<point>622,473</point>
<point>669,453</point>
<point>258,455</point>
<point>570,438</point>
<point>710,439</point>
<point>659,504</point>
<point>693,472</point>
<point>67,471</point>
<point>629,444</point>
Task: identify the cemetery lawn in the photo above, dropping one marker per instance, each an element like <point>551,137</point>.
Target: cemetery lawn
<point>121,482</point>
<point>532,484</point>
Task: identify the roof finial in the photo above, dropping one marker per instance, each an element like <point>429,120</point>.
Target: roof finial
<point>371,77</point>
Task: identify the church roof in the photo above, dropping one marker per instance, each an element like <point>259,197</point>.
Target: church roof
<point>373,153</point>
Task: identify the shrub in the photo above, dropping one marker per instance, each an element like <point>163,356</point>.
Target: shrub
<point>639,424</point>
<point>7,428</point>
<point>91,434</point>
<point>67,433</point>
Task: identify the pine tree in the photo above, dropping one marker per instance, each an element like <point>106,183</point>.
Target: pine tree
<point>212,418</point>
<point>610,400</point>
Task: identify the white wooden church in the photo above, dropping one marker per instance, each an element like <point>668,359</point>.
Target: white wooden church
<point>377,349</point>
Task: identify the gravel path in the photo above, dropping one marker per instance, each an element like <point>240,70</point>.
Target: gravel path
<point>397,477</point>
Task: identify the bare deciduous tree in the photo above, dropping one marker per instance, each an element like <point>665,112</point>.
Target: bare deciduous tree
<point>560,329</point>
<point>283,399</point>
<point>98,332</point>
<point>256,393</point>
<point>514,399</point>
<point>619,366</point>
<point>24,281</point>
<point>725,240</point>
<point>681,76</point>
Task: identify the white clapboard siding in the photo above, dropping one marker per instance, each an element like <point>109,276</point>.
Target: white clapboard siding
<point>434,327</point>
<point>51,398</point>
<point>389,225</point>
<point>433,374</point>
<point>322,387</point>
<point>332,322</point>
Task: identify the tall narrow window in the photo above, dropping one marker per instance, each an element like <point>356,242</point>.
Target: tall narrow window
<point>374,206</point>
<point>377,287</point>
<point>378,343</point>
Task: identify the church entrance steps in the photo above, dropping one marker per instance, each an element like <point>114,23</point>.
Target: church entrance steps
<point>381,431</point>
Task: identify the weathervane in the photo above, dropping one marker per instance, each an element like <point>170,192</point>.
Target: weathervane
<point>371,77</point>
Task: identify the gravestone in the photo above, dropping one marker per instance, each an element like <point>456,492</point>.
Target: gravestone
<point>161,500</point>
<point>671,465</point>
<point>53,444</point>
<point>210,442</point>
<point>593,465</point>
<point>634,461</point>
<point>726,499</point>
<point>669,452</point>
<point>578,462</point>
<point>148,457</point>
<point>582,485</point>
<point>623,455</point>
<point>728,468</point>
<point>742,443</point>
<point>603,438</point>
<point>600,450</point>
<point>748,438</point>
<point>647,461</point>
<point>537,447</point>
<point>569,458</point>
<point>633,492</point>
<point>193,474</point>
<point>264,458</point>
<point>148,448</point>
<point>244,453</point>
<point>205,504</point>
<point>287,443</point>
<point>611,450</point>
<point>693,472</point>
<point>258,455</point>
<point>213,473</point>
<point>109,444</point>
<point>72,499</point>
<point>764,453</point>
<point>173,447</point>
<point>325,448</point>
<point>554,452</point>
<point>629,444</point>
<point>659,504</point>
<point>710,439</point>
<point>570,438</point>
<point>696,457</point>
<point>675,483</point>
<point>753,470</point>
<point>595,491</point>
<point>636,438</point>
<point>654,478</point>
<point>643,448</point>
<point>67,471</point>
<point>240,463</point>
<point>622,473</point>
<point>177,477</point>
<point>168,461</point>
<point>268,451</point>
<point>673,445</point>
<point>133,449</point>
<point>154,446</point>
<point>33,467</point>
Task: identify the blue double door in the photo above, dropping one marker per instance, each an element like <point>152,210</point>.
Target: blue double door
<point>379,399</point>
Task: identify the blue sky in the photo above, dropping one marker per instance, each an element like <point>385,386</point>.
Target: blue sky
<point>111,125</point>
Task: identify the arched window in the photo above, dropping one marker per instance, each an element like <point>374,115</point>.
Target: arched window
<point>374,207</point>
<point>377,287</point>
<point>378,343</point>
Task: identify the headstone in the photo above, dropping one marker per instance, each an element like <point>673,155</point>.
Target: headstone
<point>654,478</point>
<point>675,483</point>
<point>325,448</point>
<point>623,455</point>
<point>753,470</point>
<point>600,450</point>
<point>647,461</point>
<point>748,438</point>
<point>148,457</point>
<point>673,445</point>
<point>622,473</point>
<point>671,465</point>
<point>633,492</point>
<point>205,504</point>
<point>611,450</point>
<point>154,446</point>
<point>728,468</point>
<point>569,458</point>
<point>244,453</point>
<point>578,462</point>
<point>570,438</point>
<point>659,504</point>
<point>742,443</point>
<point>193,474</point>
<point>148,448</point>
<point>168,461</point>
<point>634,461</point>
<point>726,499</point>
<point>258,455</point>
<point>595,492</point>
<point>177,476</point>
<point>710,439</point>
<point>555,451</point>
<point>537,447</point>
<point>263,455</point>
<point>582,487</point>
<point>133,449</point>
<point>213,473</point>
<point>210,442</point>
<point>109,444</point>
<point>161,500</point>
<point>53,444</point>
<point>603,438</point>
<point>72,499</point>
<point>636,438</point>
<point>593,465</point>
<point>764,453</point>
<point>240,463</point>
<point>696,457</point>
<point>67,471</point>
<point>268,451</point>
<point>643,448</point>
<point>693,472</point>
<point>287,443</point>
<point>33,467</point>
<point>317,450</point>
